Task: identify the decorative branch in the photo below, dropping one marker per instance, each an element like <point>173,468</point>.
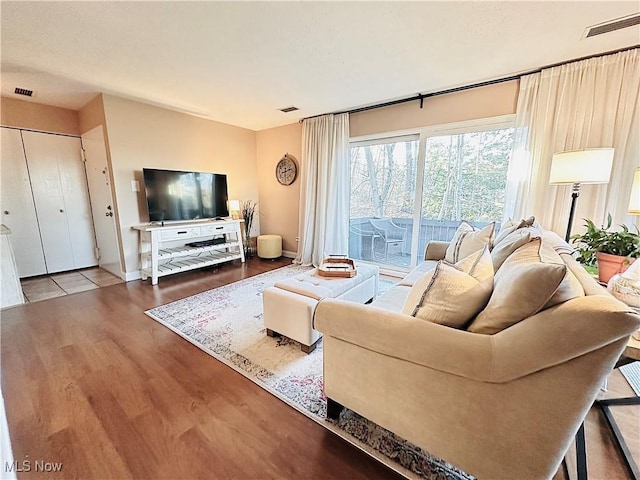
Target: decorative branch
<point>248,208</point>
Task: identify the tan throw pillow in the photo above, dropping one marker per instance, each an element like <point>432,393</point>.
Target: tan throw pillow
<point>570,287</point>
<point>509,244</point>
<point>468,240</point>
<point>522,287</point>
<point>511,226</point>
<point>451,296</point>
<point>557,243</point>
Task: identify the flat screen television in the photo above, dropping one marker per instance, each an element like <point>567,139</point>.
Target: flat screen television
<point>175,195</point>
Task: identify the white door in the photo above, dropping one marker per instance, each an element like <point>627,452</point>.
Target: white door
<point>61,197</point>
<point>17,207</point>
<point>104,219</point>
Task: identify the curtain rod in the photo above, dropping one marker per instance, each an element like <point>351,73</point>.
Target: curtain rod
<point>421,96</point>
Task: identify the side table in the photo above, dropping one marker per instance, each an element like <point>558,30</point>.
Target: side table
<point>630,354</point>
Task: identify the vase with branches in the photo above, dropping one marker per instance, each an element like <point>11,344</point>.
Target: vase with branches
<point>248,208</point>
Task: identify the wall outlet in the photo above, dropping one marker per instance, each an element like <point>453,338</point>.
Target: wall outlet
<point>135,186</point>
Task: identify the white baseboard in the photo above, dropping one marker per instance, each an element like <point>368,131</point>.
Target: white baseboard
<point>129,276</point>
<point>286,253</point>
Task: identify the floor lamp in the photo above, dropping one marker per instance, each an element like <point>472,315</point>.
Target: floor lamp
<point>576,167</point>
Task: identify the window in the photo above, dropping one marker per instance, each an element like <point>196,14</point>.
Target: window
<point>459,174</point>
<point>383,191</point>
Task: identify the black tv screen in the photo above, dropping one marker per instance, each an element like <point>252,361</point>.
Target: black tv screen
<point>176,195</point>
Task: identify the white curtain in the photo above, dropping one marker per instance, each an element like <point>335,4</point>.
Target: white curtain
<point>586,104</point>
<point>324,197</point>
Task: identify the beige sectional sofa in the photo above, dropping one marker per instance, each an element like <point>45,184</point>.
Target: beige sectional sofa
<point>498,406</point>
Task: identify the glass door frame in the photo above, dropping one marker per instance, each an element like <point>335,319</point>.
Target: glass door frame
<point>423,134</point>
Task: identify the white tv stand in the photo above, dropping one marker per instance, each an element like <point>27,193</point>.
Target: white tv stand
<point>163,248</point>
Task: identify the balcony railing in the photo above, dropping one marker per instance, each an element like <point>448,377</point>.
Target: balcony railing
<point>388,241</point>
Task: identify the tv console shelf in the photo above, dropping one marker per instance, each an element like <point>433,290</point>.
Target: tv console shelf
<point>164,249</point>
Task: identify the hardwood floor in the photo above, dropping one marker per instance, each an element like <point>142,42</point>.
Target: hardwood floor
<point>91,382</point>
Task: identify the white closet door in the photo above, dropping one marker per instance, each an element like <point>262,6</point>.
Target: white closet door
<point>17,207</point>
<point>62,201</point>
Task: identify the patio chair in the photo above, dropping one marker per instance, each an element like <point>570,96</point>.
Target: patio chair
<point>389,233</point>
<point>362,236</point>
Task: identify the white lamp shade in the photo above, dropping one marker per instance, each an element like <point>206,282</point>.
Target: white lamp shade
<point>634,200</point>
<point>592,165</point>
<point>234,205</point>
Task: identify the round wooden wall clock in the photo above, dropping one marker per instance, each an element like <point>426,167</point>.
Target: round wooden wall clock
<point>286,170</point>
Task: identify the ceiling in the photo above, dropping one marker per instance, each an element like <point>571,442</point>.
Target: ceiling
<point>239,62</point>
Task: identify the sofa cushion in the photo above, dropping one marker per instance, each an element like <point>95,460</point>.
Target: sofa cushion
<point>511,242</point>
<point>393,299</point>
<point>467,240</point>
<point>452,295</point>
<point>522,287</point>
<point>418,272</point>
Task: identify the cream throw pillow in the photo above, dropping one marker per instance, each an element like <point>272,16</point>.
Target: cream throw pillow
<point>452,295</point>
<point>511,242</point>
<point>511,226</point>
<point>468,240</point>
<point>523,286</point>
<point>570,287</point>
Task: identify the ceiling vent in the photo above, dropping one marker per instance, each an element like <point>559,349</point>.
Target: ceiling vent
<point>23,91</point>
<point>613,25</point>
<point>288,109</point>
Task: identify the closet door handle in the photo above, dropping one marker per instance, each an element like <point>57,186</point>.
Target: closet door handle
<point>6,212</point>
<point>61,211</point>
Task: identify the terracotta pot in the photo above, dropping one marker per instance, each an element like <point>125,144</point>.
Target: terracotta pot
<point>609,265</point>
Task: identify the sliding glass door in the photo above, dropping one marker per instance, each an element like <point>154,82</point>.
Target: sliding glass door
<point>383,191</point>
<point>432,179</point>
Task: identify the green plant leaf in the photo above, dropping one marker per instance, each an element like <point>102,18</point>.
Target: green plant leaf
<point>600,239</point>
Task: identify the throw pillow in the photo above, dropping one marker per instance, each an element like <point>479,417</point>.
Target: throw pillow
<point>557,243</point>
<point>570,287</point>
<point>452,295</point>
<point>522,287</point>
<point>469,239</point>
<point>510,243</point>
<point>511,226</point>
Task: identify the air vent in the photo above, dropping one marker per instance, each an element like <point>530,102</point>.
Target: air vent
<point>23,91</point>
<point>289,109</point>
<point>613,25</point>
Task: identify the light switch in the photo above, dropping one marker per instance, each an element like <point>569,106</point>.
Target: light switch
<point>135,186</point>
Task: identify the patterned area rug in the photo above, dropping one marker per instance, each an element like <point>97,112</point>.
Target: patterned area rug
<point>631,373</point>
<point>226,323</point>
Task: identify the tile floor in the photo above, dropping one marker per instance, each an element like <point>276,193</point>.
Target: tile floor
<point>60,284</point>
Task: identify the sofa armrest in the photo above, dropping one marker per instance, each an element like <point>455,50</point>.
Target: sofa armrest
<point>404,337</point>
<point>435,250</point>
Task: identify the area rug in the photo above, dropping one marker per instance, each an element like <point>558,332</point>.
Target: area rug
<point>226,323</point>
<point>631,372</point>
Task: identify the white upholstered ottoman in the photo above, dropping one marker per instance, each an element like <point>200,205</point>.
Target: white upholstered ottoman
<point>289,304</point>
<point>269,246</point>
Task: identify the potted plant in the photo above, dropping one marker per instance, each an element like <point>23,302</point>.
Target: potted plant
<point>612,251</point>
